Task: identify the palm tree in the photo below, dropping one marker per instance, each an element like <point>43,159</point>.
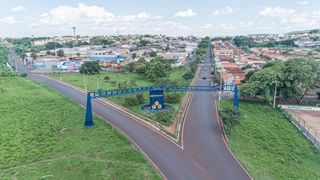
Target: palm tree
<point>33,56</point>
<point>23,55</point>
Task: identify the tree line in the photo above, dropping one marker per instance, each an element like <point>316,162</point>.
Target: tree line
<point>244,41</point>
<point>290,79</point>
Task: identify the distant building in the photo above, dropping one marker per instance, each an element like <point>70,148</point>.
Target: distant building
<point>61,40</point>
<point>104,56</point>
<point>223,52</point>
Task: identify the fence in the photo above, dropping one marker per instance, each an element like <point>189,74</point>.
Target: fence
<point>302,125</point>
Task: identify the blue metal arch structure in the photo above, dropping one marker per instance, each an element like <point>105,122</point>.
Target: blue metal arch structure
<point>125,91</point>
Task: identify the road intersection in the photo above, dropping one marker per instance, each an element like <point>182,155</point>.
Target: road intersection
<point>202,152</point>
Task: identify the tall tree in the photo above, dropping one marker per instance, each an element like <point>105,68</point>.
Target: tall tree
<point>33,55</point>
<point>90,67</point>
<point>60,53</point>
<point>293,78</point>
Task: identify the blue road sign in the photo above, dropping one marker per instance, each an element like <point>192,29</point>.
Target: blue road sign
<point>156,100</point>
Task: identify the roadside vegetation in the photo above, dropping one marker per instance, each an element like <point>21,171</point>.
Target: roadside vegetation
<point>202,49</point>
<point>269,146</point>
<point>289,80</point>
<point>4,70</point>
<point>43,137</point>
<point>141,74</point>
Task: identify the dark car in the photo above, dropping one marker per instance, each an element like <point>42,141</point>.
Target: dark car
<point>204,78</point>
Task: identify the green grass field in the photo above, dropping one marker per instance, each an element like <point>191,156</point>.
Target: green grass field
<point>42,137</point>
<point>93,81</point>
<point>270,147</point>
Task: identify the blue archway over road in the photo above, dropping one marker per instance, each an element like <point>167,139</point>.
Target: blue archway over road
<point>156,101</point>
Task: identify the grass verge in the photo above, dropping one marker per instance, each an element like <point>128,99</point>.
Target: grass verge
<point>95,81</point>
<point>270,147</point>
<point>42,137</point>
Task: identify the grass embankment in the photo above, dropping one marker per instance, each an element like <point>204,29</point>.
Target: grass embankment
<point>42,137</point>
<point>77,79</point>
<point>270,147</point>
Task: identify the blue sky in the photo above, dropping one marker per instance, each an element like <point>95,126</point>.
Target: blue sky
<point>172,17</point>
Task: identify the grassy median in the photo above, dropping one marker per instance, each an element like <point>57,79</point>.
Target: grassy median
<point>42,137</point>
<point>270,147</point>
<point>95,81</point>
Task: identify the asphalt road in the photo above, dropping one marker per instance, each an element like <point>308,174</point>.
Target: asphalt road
<point>204,154</point>
<point>203,138</point>
<point>15,62</point>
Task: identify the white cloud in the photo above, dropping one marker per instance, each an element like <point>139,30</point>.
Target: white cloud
<point>89,15</point>
<point>8,20</point>
<point>139,17</point>
<point>303,2</point>
<point>276,12</point>
<point>291,19</point>
<point>246,24</point>
<point>186,13</point>
<point>173,28</point>
<point>18,9</point>
<point>224,11</point>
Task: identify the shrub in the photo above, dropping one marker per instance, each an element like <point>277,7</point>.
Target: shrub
<point>230,118</point>
<point>129,101</point>
<point>23,75</point>
<point>318,94</point>
<point>113,83</point>
<point>188,75</point>
<point>164,117</point>
<point>106,78</point>
<point>5,71</point>
<point>140,98</point>
<point>172,98</point>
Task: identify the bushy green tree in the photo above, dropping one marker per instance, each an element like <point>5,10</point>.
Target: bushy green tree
<point>53,45</point>
<point>243,41</point>
<point>188,75</point>
<point>130,101</point>
<point>153,54</point>
<point>156,70</point>
<point>60,53</point>
<point>140,98</point>
<point>172,98</point>
<point>230,118</point>
<point>293,78</point>
<point>90,67</point>
<point>134,55</point>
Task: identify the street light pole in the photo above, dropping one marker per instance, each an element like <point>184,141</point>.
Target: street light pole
<point>85,83</point>
<point>275,95</point>
<point>84,79</point>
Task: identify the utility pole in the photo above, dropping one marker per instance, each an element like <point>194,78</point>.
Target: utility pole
<point>84,79</point>
<point>275,95</point>
<point>74,36</point>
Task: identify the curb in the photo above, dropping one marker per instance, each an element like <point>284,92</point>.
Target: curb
<point>123,111</point>
<point>226,141</point>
